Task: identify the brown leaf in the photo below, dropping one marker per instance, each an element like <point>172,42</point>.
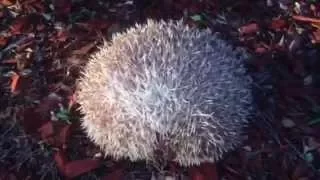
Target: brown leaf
<point>316,37</point>
<point>7,2</point>
<point>3,41</point>
<point>46,130</point>
<point>316,25</point>
<point>14,86</point>
<point>75,168</point>
<point>249,29</point>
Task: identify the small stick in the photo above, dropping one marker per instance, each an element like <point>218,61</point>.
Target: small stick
<point>306,19</point>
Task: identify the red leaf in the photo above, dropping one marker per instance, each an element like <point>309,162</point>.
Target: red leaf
<point>115,175</point>
<point>210,171</point>
<point>18,25</point>
<point>278,24</point>
<point>46,130</point>
<point>249,29</point>
<point>3,41</point>
<point>78,167</point>
<point>196,174</point>
<point>261,50</point>
<point>206,171</point>
<point>63,135</point>
<point>62,36</point>
<point>72,101</point>
<point>15,79</point>
<point>61,160</point>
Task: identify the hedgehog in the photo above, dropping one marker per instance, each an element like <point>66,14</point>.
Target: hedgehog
<point>166,90</point>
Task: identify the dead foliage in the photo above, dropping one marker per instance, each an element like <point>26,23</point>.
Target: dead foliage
<point>44,44</point>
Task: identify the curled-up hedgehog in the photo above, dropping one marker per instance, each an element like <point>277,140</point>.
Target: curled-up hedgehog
<point>166,89</point>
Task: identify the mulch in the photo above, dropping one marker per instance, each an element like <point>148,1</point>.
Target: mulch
<point>44,44</point>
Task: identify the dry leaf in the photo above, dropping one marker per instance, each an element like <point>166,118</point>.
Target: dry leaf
<point>210,171</point>
<point>75,168</point>
<point>14,83</point>
<point>62,36</point>
<point>316,25</point>
<point>72,101</point>
<point>306,19</point>
<point>46,130</point>
<point>278,24</point>
<point>316,37</point>
<point>18,25</point>
<point>196,174</point>
<point>60,159</point>
<point>261,50</point>
<point>3,41</point>
<point>7,2</point>
<point>62,137</point>
<point>249,29</point>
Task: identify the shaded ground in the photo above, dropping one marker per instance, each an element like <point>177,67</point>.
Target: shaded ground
<point>44,43</point>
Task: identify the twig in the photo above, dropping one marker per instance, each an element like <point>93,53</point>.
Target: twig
<point>306,19</point>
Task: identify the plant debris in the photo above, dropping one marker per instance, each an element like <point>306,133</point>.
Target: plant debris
<point>44,45</point>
